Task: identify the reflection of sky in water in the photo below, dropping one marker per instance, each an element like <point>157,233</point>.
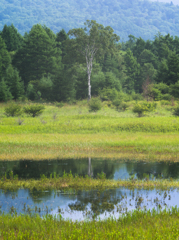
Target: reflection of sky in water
<point>122,199</point>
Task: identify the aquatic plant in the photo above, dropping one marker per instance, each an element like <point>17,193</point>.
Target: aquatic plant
<point>68,181</point>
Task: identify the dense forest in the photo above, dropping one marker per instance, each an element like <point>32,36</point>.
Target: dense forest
<point>141,18</point>
<point>49,66</point>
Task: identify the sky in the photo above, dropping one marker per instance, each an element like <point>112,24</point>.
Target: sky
<point>167,1</point>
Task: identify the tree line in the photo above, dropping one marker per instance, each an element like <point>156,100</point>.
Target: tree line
<point>85,62</point>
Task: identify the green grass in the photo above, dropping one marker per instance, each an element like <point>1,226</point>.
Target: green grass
<point>73,131</point>
<point>138,225</point>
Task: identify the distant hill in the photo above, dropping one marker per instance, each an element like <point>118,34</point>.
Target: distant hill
<point>141,18</point>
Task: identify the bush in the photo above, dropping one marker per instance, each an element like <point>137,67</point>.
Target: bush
<point>108,94</point>
<point>137,96</point>
<point>34,110</point>
<point>144,107</point>
<point>150,105</point>
<point>164,102</point>
<point>94,105</point>
<point>140,109</point>
<point>166,96</point>
<point>59,104</point>
<point>12,110</point>
<point>117,104</point>
<point>124,106</point>
<point>176,111</point>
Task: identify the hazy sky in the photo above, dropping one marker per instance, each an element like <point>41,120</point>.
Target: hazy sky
<point>167,1</point>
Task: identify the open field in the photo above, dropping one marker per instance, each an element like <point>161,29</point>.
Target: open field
<point>71,131</point>
<point>138,225</point>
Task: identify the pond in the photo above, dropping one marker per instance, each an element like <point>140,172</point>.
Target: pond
<point>114,169</point>
<point>83,205</point>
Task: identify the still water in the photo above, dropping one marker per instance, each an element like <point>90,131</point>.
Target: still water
<point>114,169</point>
<point>84,205</point>
<point>81,205</point>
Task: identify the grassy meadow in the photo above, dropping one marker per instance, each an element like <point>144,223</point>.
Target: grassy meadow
<point>138,225</point>
<point>73,131</point>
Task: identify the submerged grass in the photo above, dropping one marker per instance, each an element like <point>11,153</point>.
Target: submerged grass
<point>87,183</point>
<point>137,225</point>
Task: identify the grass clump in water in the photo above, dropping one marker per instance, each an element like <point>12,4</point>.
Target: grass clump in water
<point>68,181</point>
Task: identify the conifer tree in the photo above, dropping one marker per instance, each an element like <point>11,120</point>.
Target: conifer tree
<point>14,82</point>
<point>11,37</point>
<point>5,94</point>
<point>4,58</point>
<point>132,71</point>
<point>39,56</point>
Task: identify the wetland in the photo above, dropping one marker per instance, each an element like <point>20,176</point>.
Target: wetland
<point>98,175</point>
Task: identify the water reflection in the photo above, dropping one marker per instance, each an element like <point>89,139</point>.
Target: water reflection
<point>86,204</point>
<point>114,169</point>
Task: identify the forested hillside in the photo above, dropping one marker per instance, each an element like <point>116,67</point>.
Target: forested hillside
<point>57,67</point>
<point>141,18</point>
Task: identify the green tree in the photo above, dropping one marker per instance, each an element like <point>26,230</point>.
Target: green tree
<point>173,69</point>
<point>132,71</point>
<point>5,94</point>
<point>14,82</point>
<point>91,42</point>
<point>11,37</point>
<point>4,58</point>
<point>39,55</point>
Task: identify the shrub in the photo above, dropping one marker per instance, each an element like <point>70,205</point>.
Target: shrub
<point>144,107</point>
<point>117,104</point>
<point>34,110</point>
<point>150,105</point>
<point>59,104</point>
<point>124,106</point>
<point>12,110</point>
<point>137,96</point>
<point>108,94</point>
<point>94,105</point>
<point>140,109</point>
<point>166,96</point>
<point>176,111</point>
<point>164,102</point>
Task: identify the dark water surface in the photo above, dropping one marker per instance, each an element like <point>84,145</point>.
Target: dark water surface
<point>114,169</point>
<point>84,205</point>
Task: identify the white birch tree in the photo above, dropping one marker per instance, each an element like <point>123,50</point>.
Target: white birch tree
<point>90,42</point>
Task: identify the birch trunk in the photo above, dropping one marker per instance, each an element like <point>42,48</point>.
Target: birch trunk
<point>89,87</point>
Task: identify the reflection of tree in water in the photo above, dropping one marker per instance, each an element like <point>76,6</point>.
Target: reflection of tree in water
<point>156,169</point>
<point>99,201</point>
<point>107,166</point>
<point>34,169</point>
<point>39,196</point>
<point>7,167</point>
